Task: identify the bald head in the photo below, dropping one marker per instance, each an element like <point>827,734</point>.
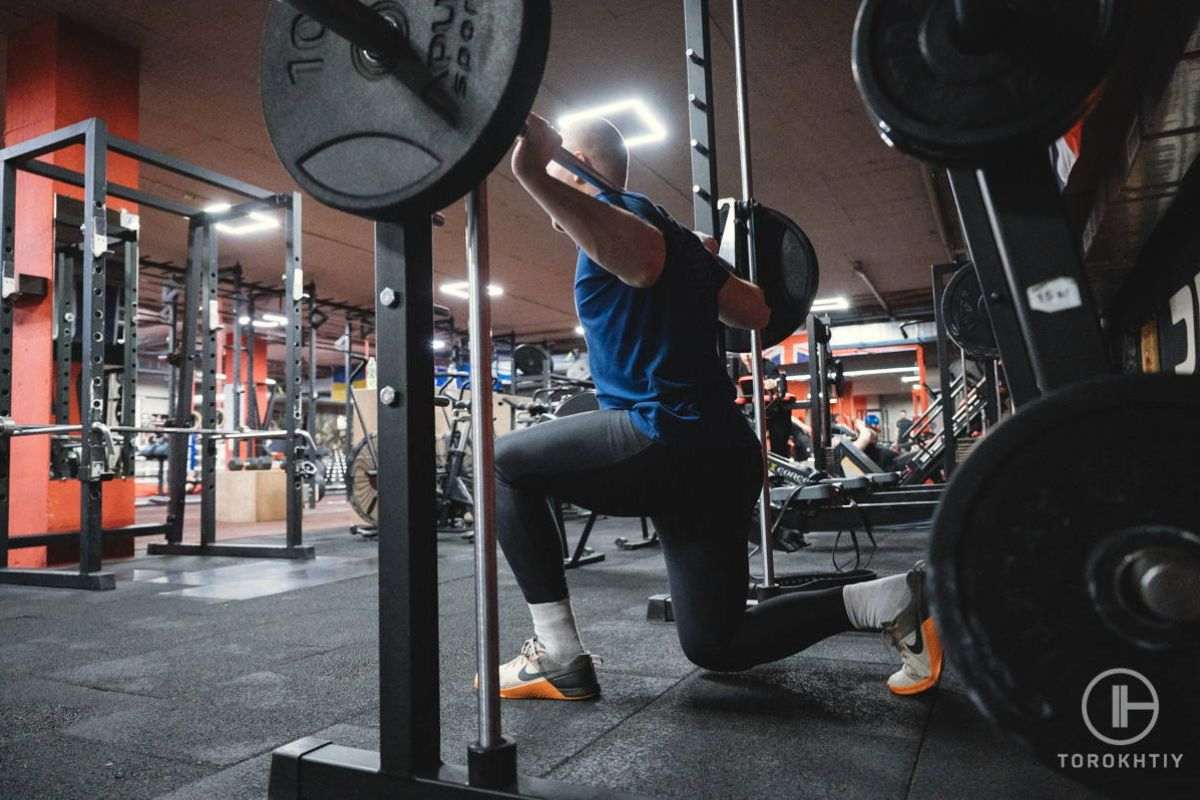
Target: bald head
<point>599,143</point>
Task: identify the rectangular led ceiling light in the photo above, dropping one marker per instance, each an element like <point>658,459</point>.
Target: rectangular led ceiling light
<point>652,130</point>
<point>831,304</point>
<point>254,222</point>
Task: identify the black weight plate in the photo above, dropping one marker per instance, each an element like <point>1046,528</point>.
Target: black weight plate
<point>1017,580</point>
<point>966,316</point>
<point>931,99</point>
<point>788,273</point>
<point>357,139</point>
<point>530,359</point>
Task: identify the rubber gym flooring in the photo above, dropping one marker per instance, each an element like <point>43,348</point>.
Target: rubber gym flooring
<point>180,683</point>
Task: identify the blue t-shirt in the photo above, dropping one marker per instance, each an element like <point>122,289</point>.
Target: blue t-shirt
<point>653,351</point>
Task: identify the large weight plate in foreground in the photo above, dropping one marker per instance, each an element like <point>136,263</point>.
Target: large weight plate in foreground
<point>1016,578</point>
<point>930,98</point>
<point>788,273</point>
<point>357,139</point>
<point>964,310</point>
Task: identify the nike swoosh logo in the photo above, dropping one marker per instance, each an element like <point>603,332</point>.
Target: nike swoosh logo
<point>527,676</point>
<point>918,646</point>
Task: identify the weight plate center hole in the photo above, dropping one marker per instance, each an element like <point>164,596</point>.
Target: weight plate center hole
<point>373,65</point>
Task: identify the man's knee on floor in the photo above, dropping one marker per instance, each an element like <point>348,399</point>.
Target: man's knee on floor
<point>709,650</point>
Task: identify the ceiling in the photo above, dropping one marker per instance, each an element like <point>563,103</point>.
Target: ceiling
<point>816,157</point>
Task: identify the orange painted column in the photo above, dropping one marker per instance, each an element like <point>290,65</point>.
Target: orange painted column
<point>58,73</point>
<point>250,383</point>
<point>920,393</point>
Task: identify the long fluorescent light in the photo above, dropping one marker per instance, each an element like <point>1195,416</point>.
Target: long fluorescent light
<point>264,323</point>
<point>254,222</point>
<point>438,344</point>
<point>862,373</point>
<point>655,130</point>
<point>244,320</point>
<point>831,304</point>
<point>459,289</point>
<point>910,378</point>
<point>278,319</point>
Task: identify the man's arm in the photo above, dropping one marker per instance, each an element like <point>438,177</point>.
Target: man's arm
<point>741,303</point>
<point>622,243</point>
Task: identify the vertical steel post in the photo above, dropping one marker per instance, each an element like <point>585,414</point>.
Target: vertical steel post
<point>747,170</point>
<point>8,216</point>
<point>239,310</point>
<point>172,348</point>
<point>293,293</point>
<point>492,761</point>
<point>818,394</point>
<point>999,397</point>
<point>177,458</point>
<point>941,274</point>
<point>210,325</point>
<point>93,454</point>
<point>310,421</point>
<point>129,375</point>
<point>348,439</point>
<point>1040,257</point>
<point>409,709</point>
<point>64,335</point>
<point>251,381</point>
<point>701,120</point>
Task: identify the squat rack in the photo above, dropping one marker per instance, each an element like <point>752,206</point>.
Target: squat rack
<point>200,295</point>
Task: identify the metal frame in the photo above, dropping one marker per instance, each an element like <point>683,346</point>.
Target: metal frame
<point>977,231</point>
<point>820,418</point>
<point>756,337</point>
<point>127,413</point>
<point>95,438</point>
<point>409,761</point>
<point>1039,258</point>
<point>941,276</point>
<point>701,118</point>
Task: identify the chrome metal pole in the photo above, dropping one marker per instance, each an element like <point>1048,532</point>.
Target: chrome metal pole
<point>487,616</point>
<point>760,411</point>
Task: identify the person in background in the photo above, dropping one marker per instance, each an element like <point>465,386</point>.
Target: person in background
<point>903,426</point>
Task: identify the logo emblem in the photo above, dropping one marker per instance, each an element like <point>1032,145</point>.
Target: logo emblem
<point>1116,715</point>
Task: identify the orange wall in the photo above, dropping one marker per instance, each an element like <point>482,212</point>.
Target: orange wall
<point>58,73</point>
<point>225,352</point>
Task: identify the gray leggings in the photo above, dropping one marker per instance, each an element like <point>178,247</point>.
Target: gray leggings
<point>700,500</point>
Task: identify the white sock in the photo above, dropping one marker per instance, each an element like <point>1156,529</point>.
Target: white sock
<point>872,604</point>
<point>554,624</point>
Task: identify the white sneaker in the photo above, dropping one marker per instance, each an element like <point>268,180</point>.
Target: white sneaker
<point>533,675</point>
<point>914,634</point>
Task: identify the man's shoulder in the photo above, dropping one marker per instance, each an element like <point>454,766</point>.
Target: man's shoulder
<point>634,202</point>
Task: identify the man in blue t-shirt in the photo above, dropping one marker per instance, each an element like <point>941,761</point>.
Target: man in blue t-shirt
<point>668,442</point>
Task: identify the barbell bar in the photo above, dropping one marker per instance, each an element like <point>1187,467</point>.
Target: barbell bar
<point>11,429</point>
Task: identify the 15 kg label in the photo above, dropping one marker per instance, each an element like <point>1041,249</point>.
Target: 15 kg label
<point>1052,296</point>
